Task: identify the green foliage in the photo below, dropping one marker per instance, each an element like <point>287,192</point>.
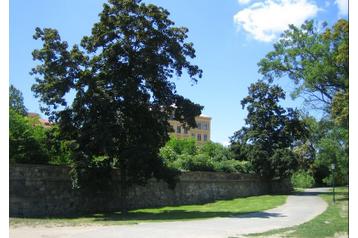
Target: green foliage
<point>333,149</point>
<point>216,151</point>
<point>186,155</point>
<point>302,179</point>
<point>31,142</point>
<point>270,132</point>
<point>233,166</point>
<point>16,101</point>
<point>182,146</point>
<point>340,109</point>
<point>314,58</point>
<point>27,140</point>
<point>121,76</point>
<point>60,150</point>
<point>327,144</point>
<point>199,162</point>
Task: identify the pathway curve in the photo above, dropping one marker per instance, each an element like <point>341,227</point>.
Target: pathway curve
<point>297,210</point>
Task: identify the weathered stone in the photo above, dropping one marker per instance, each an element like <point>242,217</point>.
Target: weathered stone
<point>39,190</point>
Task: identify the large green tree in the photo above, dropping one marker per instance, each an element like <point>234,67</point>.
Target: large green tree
<point>270,132</point>
<point>123,96</point>
<point>316,59</point>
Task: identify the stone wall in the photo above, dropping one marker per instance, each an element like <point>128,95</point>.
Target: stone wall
<point>38,190</point>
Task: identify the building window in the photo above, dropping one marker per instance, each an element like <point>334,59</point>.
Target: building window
<point>193,135</point>
<point>205,137</point>
<point>199,137</point>
<point>205,126</point>
<point>185,131</point>
<point>178,129</point>
<point>199,125</point>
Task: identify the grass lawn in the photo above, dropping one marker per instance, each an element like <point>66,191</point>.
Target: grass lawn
<point>221,208</point>
<point>332,223</point>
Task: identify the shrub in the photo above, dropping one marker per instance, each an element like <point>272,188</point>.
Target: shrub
<point>232,166</point>
<point>182,146</point>
<point>200,162</point>
<point>186,155</point>
<point>302,179</point>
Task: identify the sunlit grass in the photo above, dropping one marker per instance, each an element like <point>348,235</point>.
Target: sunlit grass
<point>221,208</point>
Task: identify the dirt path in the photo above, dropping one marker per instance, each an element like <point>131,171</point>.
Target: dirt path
<point>297,210</point>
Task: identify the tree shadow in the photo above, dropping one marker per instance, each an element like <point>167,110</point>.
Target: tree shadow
<point>170,215</point>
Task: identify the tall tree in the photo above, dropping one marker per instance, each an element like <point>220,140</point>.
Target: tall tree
<point>270,134</point>
<point>16,100</point>
<point>124,97</point>
<point>315,58</point>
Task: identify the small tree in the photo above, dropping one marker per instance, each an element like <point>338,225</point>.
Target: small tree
<point>120,75</point>
<point>270,133</point>
<point>16,101</point>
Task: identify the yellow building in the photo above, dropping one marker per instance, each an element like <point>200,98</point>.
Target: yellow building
<point>201,133</point>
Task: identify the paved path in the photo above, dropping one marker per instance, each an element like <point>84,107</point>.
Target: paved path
<point>297,210</point>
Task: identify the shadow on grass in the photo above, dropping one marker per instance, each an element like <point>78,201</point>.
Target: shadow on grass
<point>169,215</point>
<point>163,215</point>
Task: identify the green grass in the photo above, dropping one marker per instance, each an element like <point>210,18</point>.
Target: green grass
<point>221,208</point>
<point>333,221</point>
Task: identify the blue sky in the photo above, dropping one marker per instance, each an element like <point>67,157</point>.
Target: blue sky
<point>229,36</point>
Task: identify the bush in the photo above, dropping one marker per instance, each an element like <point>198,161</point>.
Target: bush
<point>228,166</point>
<point>186,155</point>
<point>302,179</point>
<point>182,146</point>
<point>233,166</point>
<point>198,162</point>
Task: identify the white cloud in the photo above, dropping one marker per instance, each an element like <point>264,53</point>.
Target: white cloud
<point>342,7</point>
<point>244,1</point>
<point>265,20</point>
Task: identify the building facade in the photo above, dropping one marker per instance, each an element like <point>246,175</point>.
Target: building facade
<point>201,133</point>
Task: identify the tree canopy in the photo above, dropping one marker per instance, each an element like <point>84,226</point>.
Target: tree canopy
<point>270,133</point>
<point>315,58</point>
<point>123,96</point>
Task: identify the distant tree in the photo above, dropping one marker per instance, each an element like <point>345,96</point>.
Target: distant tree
<point>16,100</point>
<point>27,140</point>
<point>123,96</point>
<point>270,134</point>
<point>317,61</point>
<point>333,149</point>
